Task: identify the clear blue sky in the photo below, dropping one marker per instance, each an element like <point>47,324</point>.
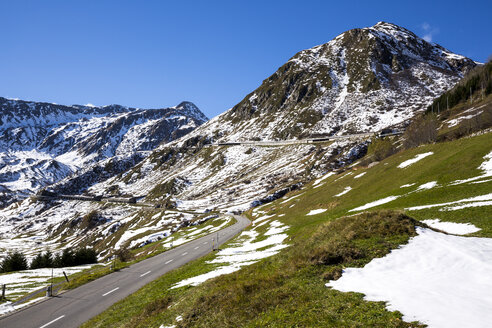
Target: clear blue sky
<point>158,53</point>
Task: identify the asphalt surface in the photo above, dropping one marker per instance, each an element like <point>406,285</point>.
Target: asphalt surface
<point>74,307</point>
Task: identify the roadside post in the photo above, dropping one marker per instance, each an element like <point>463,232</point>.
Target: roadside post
<point>4,286</point>
<point>51,286</point>
<point>66,276</point>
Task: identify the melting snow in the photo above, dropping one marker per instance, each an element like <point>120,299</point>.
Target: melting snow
<point>245,253</point>
<point>318,181</point>
<point>375,203</point>
<point>428,185</point>
<point>438,279</point>
<point>452,227</point>
<point>486,167</point>
<point>414,160</point>
<point>473,201</point>
<point>360,175</point>
<point>28,281</point>
<point>346,190</point>
<point>318,211</point>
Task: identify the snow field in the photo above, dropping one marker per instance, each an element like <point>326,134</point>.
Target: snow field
<point>438,279</point>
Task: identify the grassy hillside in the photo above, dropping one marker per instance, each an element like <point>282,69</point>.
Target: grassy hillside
<point>288,289</point>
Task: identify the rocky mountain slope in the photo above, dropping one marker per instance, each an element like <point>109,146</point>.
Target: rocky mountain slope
<point>42,143</point>
<point>363,80</point>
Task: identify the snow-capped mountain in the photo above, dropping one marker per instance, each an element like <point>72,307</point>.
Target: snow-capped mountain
<point>42,143</point>
<point>363,80</point>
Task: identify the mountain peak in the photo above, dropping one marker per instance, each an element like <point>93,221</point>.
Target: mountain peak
<point>192,110</point>
<point>362,80</point>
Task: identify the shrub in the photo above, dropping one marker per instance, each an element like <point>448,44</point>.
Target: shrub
<point>124,255</point>
<point>421,131</point>
<point>379,149</point>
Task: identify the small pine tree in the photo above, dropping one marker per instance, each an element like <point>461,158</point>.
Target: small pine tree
<point>85,256</point>
<point>68,257</point>
<point>37,262</point>
<point>48,259</point>
<point>15,261</point>
<point>57,261</point>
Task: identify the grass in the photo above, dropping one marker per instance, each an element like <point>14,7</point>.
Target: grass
<point>281,291</point>
<point>288,290</point>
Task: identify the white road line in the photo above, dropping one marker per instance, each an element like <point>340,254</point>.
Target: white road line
<point>49,323</point>
<point>184,253</point>
<point>169,261</point>
<point>197,247</point>
<point>146,273</point>
<point>205,243</point>
<point>113,290</point>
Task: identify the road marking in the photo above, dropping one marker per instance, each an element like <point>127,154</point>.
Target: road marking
<point>49,323</point>
<point>111,291</point>
<point>169,261</point>
<point>205,243</point>
<point>197,247</point>
<point>184,253</point>
<point>146,273</point>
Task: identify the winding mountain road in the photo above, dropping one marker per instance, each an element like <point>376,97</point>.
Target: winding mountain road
<point>250,143</point>
<point>74,307</point>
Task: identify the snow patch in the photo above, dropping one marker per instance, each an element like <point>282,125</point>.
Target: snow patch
<point>452,227</point>
<point>318,211</point>
<point>375,203</point>
<point>360,175</point>
<point>414,160</point>
<point>472,201</point>
<point>428,185</point>
<point>244,253</point>
<point>318,181</point>
<point>438,279</point>
<point>346,190</point>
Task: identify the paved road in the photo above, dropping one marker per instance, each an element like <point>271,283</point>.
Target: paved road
<point>73,308</point>
<point>302,141</point>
